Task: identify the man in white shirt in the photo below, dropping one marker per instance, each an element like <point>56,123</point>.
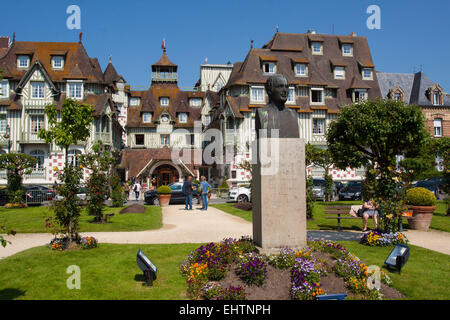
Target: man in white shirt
<point>137,189</point>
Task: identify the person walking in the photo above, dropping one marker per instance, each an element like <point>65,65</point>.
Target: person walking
<point>204,186</point>
<point>137,189</point>
<point>187,190</point>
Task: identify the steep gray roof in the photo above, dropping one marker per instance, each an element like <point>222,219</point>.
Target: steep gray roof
<point>415,86</point>
<point>387,81</point>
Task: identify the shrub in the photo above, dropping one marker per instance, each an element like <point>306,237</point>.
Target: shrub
<point>252,269</point>
<point>420,197</point>
<point>212,290</point>
<point>284,260</point>
<point>374,238</point>
<point>118,195</point>
<point>232,293</point>
<point>305,278</point>
<point>88,243</point>
<point>164,190</point>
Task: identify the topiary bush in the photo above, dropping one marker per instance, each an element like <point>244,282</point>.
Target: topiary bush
<point>420,197</point>
<point>164,190</point>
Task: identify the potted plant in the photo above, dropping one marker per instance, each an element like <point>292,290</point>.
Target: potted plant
<point>164,193</point>
<point>423,203</point>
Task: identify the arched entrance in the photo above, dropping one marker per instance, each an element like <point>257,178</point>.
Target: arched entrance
<point>164,174</point>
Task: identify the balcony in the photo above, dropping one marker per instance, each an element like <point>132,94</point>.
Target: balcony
<point>30,137</point>
<point>320,140</point>
<point>37,173</point>
<point>104,136</point>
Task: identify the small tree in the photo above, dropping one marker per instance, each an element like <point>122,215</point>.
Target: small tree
<point>16,165</point>
<point>67,127</point>
<point>309,156</point>
<point>100,162</point>
<point>247,166</point>
<point>441,148</point>
<point>371,134</point>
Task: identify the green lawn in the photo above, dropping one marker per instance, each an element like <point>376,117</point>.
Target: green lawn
<point>439,222</point>
<point>31,220</point>
<point>426,275</point>
<point>111,272</point>
<point>108,272</point>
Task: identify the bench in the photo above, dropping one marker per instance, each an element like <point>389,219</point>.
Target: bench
<point>339,212</point>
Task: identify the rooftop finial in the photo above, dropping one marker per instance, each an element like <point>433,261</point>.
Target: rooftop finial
<point>14,37</point>
<point>81,36</point>
<point>109,58</point>
<point>163,45</point>
<point>277,28</point>
<point>251,44</point>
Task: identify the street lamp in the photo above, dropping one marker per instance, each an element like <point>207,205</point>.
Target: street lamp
<point>7,137</point>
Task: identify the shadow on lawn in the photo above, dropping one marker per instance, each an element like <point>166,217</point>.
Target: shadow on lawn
<point>11,293</point>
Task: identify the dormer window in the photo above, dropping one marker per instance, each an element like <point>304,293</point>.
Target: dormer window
<point>134,101</point>
<point>146,117</point>
<point>4,89</point>
<point>347,50</point>
<point>269,67</point>
<point>435,95</point>
<point>301,70</point>
<point>436,98</point>
<point>23,61</point>
<point>359,95</point>
<point>367,74</point>
<point>195,102</point>
<point>164,101</point>
<point>317,48</point>
<point>339,73</point>
<point>182,117</point>
<point>57,62</point>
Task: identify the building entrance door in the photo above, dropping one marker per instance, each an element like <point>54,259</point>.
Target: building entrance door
<point>166,175</point>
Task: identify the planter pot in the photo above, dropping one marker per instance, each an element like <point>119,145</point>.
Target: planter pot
<point>164,199</point>
<point>421,217</point>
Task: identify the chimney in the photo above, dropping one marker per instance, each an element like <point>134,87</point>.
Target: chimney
<point>4,42</point>
<point>352,34</point>
<point>311,31</point>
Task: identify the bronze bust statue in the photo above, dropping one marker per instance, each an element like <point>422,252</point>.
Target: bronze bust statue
<point>275,116</point>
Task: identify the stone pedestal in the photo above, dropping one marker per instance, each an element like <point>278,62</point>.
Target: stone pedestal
<point>279,195</point>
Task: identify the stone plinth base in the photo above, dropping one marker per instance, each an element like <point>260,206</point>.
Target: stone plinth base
<point>279,195</point>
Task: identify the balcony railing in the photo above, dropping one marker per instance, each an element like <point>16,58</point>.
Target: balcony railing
<point>104,136</point>
<point>164,76</point>
<point>318,139</point>
<point>38,173</point>
<point>30,137</point>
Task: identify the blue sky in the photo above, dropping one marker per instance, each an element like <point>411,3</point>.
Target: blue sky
<point>412,33</point>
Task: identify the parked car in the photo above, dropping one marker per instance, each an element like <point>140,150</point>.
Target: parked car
<point>435,185</point>
<point>339,185</point>
<point>351,191</point>
<point>177,197</point>
<point>33,195</point>
<point>81,194</point>
<point>318,189</point>
<point>239,194</point>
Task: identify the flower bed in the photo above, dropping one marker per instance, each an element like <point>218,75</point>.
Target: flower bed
<point>63,243</point>
<point>206,271</point>
<point>374,238</point>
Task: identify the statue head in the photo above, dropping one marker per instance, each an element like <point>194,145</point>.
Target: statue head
<point>277,89</point>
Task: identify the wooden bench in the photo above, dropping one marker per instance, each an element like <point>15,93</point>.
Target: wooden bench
<point>339,212</point>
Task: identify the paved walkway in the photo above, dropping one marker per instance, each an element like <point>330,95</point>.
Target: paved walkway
<point>180,226</point>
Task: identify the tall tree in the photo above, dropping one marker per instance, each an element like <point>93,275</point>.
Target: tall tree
<point>371,134</point>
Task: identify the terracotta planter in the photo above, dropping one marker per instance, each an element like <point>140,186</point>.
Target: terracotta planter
<point>421,217</point>
<point>164,199</point>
